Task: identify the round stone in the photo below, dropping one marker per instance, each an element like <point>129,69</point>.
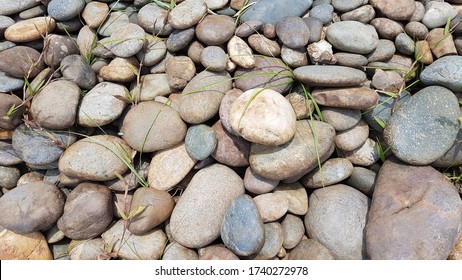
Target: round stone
<point>55,106</point>
<point>293,32</point>
<point>230,150</point>
<point>384,51</point>
<point>276,123</point>
<point>331,172</point>
<point>271,206</point>
<point>296,196</point>
<point>96,158</point>
<point>153,19</point>
<point>424,128</point>
<point>205,202</point>
<point>352,138</point>
<point>143,122</point>
<point>445,72</point>
<point>273,241</point>
<point>437,13</point>
<point>214,58</point>
<point>387,28</point>
<point>180,70</point>
<point>362,179</point>
<point>352,36</point>
<point>120,70</point>
<point>334,209</point>
<point>155,206</point>
<point>395,9</point>
<point>215,30</point>
<point>31,207</point>
<point>13,7</point>
<point>341,118</point>
<point>257,184</point>
<point>62,10</point>
<point>366,155</point>
<point>95,13</point>
<point>21,61</point>
<point>180,39</point>
<point>242,230</point>
<point>187,13</point>
<point>87,212</point>
<point>264,46</point>
<point>322,12</point>
<point>58,47</point>
<point>75,68</point>
<point>127,41</point>
<point>293,231</point>
<point>200,141</point>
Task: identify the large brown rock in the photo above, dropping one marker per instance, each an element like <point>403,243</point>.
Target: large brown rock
<point>21,62</point>
<point>415,214</point>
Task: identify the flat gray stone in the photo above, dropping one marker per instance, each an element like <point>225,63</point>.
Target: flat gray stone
<point>329,76</point>
<point>445,71</point>
<point>272,11</point>
<point>352,36</point>
<point>63,10</point>
<point>7,155</point>
<point>12,7</point>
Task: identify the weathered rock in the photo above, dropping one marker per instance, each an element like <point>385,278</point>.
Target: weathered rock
<point>272,11</point>
<point>180,70</point>
<point>271,206</point>
<point>296,196</point>
<point>363,180</point>
<point>334,209</point>
<point>205,202</point>
<point>87,212</point>
<point>352,98</point>
<point>293,231</point>
<point>331,172</point>
<point>96,158</point>
<point>231,150</point>
<point>411,205</point>
<point>242,230</point>
<point>200,141</point>
<point>329,76</point>
<point>310,249</point>
<point>31,246</point>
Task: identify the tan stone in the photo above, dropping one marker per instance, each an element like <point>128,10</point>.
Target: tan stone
<point>30,29</point>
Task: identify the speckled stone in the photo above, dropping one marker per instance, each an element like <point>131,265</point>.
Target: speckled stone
<point>362,179</point>
<point>200,141</point>
<point>332,171</point>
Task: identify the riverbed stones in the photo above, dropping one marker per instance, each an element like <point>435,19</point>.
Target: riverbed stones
<point>339,208</point>
<point>329,76</point>
<point>96,158</point>
<point>411,205</point>
<point>31,207</point>
<point>205,202</point>
<point>445,72</point>
<point>271,206</point>
<point>430,119</point>
<point>352,36</point>
<point>437,13</point>
<point>231,149</point>
<point>295,157</point>
<point>331,172</point>
<point>293,231</point>
<point>276,123</point>
<point>30,29</point>
<point>242,230</point>
<point>8,156</point>
<point>293,32</point>
<point>21,61</point>
<point>87,212</point>
<point>352,138</point>
<point>145,120</point>
<point>31,246</point>
<point>10,119</point>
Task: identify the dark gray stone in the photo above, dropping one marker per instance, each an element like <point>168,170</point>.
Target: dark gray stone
<point>453,157</point>
<point>272,11</point>
<point>384,51</point>
<point>76,69</point>
<point>242,230</point>
<point>179,39</point>
<point>445,71</point>
<point>200,141</point>
<point>423,129</point>
<point>293,32</point>
<point>382,112</point>
<point>404,44</point>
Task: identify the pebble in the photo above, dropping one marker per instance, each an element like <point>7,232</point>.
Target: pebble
<point>331,172</point>
<point>54,235</point>
<point>225,108</point>
<point>245,29</point>
<point>362,14</point>
<point>205,202</point>
<point>13,7</point>
<point>36,148</point>
<point>362,98</point>
<point>294,57</point>
<point>127,41</point>
<point>346,6</point>
<point>257,184</point>
<point>153,19</point>
<point>296,196</point>
<point>141,132</point>
<point>240,53</point>
<point>8,156</point>
<point>216,252</point>
<point>310,249</point>
<point>55,106</point>
<point>395,9</point>
<point>350,60</point>
<point>20,62</point>
<point>150,245</point>
<point>383,111</point>
<point>293,32</point>
<point>452,157</point>
<point>273,11</point>
<point>295,157</point>
<point>366,155</point>
<point>30,29</point>
<point>187,13</point>
<point>404,44</point>
<point>33,12</point>
<point>273,241</point>
<point>400,222</point>
<point>5,22</point>
<point>87,212</point>
<point>157,207</point>
<point>180,70</point>
<point>120,70</point>
<point>412,141</point>
<point>9,177</point>
<point>352,36</point>
<point>115,21</point>
<point>323,12</point>
<point>31,246</point>
<point>62,10</point>
<point>91,249</point>
<point>388,81</point>
<point>58,48</point>
<point>154,53</point>
<point>12,119</point>
<point>332,76</point>
<point>416,30</point>
<point>41,206</point>
<point>262,75</point>
<point>242,230</point>
<point>215,30</point>
<point>339,208</point>
<point>231,149</point>
<point>302,106</point>
<point>214,59</point>
<point>85,41</point>
<point>384,51</point>
<point>200,141</point>
<point>444,72</point>
<point>201,98</point>
<point>341,118</point>
<point>163,162</point>
<point>150,87</point>
<point>363,180</point>
<point>292,230</point>
<point>100,105</point>
<point>95,13</point>
<point>271,206</point>
<point>387,28</point>
<point>264,46</point>
<point>96,158</point>
<point>437,13</point>
<point>276,123</point>
<point>176,251</point>
<point>352,138</point>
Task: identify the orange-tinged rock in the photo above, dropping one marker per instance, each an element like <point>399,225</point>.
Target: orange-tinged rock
<point>32,246</point>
